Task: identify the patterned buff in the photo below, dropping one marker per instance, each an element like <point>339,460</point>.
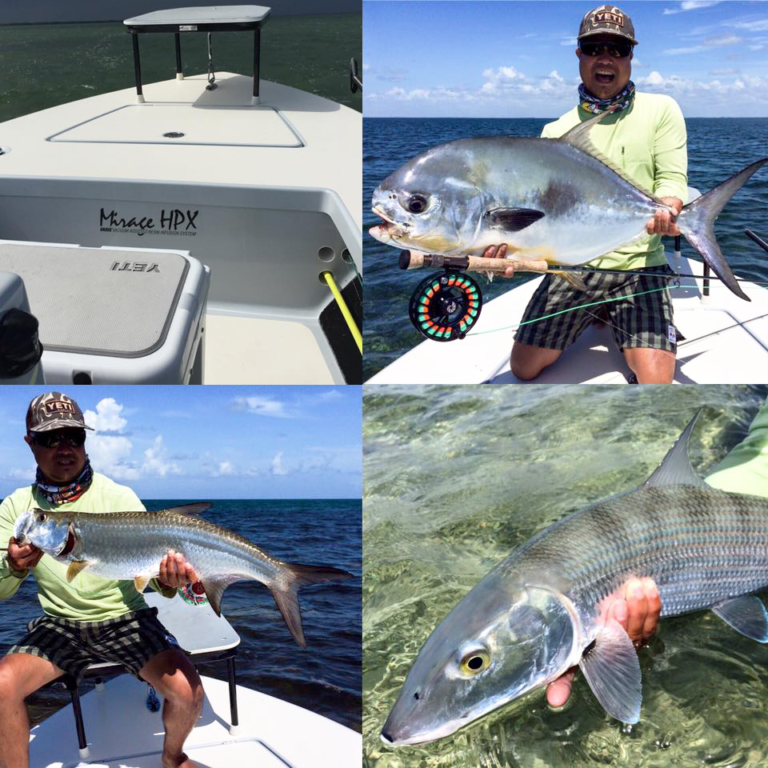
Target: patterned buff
<point>61,494</point>
<point>620,101</point>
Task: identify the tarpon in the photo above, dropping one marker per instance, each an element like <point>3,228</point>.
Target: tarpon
<point>543,610</point>
<point>130,545</point>
<point>553,200</point>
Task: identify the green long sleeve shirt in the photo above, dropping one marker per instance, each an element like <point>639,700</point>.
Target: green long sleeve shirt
<point>647,141</point>
<point>88,597</point>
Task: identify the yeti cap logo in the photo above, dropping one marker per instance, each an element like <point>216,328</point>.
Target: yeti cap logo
<point>607,17</point>
<point>59,406</point>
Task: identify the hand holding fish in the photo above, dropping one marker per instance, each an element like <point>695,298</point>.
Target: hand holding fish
<point>499,252</point>
<point>637,609</point>
<point>663,222</point>
<point>175,571</point>
<point>20,558</point>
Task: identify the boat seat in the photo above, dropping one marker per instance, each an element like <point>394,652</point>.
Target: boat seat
<point>202,635</point>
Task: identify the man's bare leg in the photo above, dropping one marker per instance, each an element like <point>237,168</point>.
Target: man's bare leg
<point>21,674</point>
<point>527,362</point>
<point>651,366</point>
<point>174,676</point>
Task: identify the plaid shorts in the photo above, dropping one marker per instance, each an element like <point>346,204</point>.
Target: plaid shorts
<point>131,640</point>
<point>636,321</point>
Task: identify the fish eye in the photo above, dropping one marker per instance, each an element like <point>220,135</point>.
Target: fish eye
<point>417,204</point>
<point>475,662</point>
<point>41,517</point>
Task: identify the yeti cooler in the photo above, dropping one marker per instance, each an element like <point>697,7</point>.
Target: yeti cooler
<point>113,316</point>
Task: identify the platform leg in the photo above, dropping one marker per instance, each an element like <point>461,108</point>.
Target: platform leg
<point>137,68</point>
<point>256,64</point>
<point>179,70</point>
<point>232,695</point>
<point>75,696</point>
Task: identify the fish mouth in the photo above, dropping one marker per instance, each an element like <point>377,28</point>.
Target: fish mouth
<point>383,216</point>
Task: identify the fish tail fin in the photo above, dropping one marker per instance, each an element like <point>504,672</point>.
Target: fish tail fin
<point>286,592</point>
<point>697,221</point>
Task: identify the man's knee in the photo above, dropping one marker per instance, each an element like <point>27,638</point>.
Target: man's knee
<point>174,675</point>
<point>527,362</point>
<point>9,683</point>
<point>651,366</point>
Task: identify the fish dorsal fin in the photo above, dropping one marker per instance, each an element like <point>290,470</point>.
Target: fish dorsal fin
<point>745,614</point>
<point>190,509</point>
<point>579,137</point>
<point>513,219</point>
<point>613,673</point>
<point>676,468</point>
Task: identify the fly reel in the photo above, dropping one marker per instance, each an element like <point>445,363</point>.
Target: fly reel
<point>445,305</point>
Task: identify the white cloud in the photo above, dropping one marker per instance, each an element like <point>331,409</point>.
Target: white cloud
<point>25,475</point>
<point>107,417</point>
<point>277,467</point>
<point>262,406</point>
<point>691,5</point>
<point>110,454</point>
<point>156,460</point>
<point>225,468</point>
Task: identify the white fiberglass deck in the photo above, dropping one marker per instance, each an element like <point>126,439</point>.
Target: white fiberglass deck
<point>123,733</point>
<point>725,342</point>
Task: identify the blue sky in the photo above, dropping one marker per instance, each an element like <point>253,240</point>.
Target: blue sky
<point>516,59</point>
<point>207,442</point>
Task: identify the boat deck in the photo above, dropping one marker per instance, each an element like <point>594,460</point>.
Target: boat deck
<point>725,341</point>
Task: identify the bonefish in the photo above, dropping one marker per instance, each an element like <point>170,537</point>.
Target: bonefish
<point>543,609</point>
<point>554,200</point>
<point>130,545</point>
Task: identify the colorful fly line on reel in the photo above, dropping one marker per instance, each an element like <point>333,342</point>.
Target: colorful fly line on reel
<point>445,305</point>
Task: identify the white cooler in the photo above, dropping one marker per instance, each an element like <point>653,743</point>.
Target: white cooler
<point>114,316</point>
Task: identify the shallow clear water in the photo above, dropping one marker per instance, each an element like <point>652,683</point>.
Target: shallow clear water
<point>456,478</point>
<point>325,676</point>
<point>44,65</point>
<point>717,148</point>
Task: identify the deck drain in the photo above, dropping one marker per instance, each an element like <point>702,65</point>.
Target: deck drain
<point>173,135</point>
<point>4,150</point>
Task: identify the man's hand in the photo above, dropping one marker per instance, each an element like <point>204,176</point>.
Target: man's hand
<point>663,222</point>
<point>499,252</point>
<point>175,571</point>
<point>637,609</point>
<point>21,558</point>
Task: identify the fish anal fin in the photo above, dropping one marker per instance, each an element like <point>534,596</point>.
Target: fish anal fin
<point>676,468</point>
<point>75,567</point>
<point>579,137</point>
<point>214,590</point>
<point>140,582</point>
<point>513,219</point>
<point>612,670</point>
<point>746,615</point>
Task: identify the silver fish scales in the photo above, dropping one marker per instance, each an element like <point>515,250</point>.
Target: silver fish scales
<point>544,608</point>
<point>130,546</point>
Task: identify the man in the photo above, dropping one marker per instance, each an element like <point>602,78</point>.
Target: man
<point>119,625</point>
<point>646,138</point>
<point>638,606</point>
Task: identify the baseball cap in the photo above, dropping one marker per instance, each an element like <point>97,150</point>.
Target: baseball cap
<point>54,410</point>
<point>607,19</point>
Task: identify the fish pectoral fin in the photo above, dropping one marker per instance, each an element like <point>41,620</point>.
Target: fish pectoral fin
<point>214,590</point>
<point>745,614</point>
<point>140,582</point>
<point>676,468</point>
<point>574,279</point>
<point>513,219</point>
<point>613,673</point>
<point>75,567</point>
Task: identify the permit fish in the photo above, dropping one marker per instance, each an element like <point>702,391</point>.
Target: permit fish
<point>130,546</point>
<point>554,200</point>
<point>543,609</point>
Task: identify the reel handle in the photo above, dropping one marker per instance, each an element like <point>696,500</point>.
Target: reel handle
<point>416,260</point>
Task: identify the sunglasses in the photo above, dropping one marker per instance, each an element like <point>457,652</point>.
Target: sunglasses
<point>74,438</point>
<point>617,50</point>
